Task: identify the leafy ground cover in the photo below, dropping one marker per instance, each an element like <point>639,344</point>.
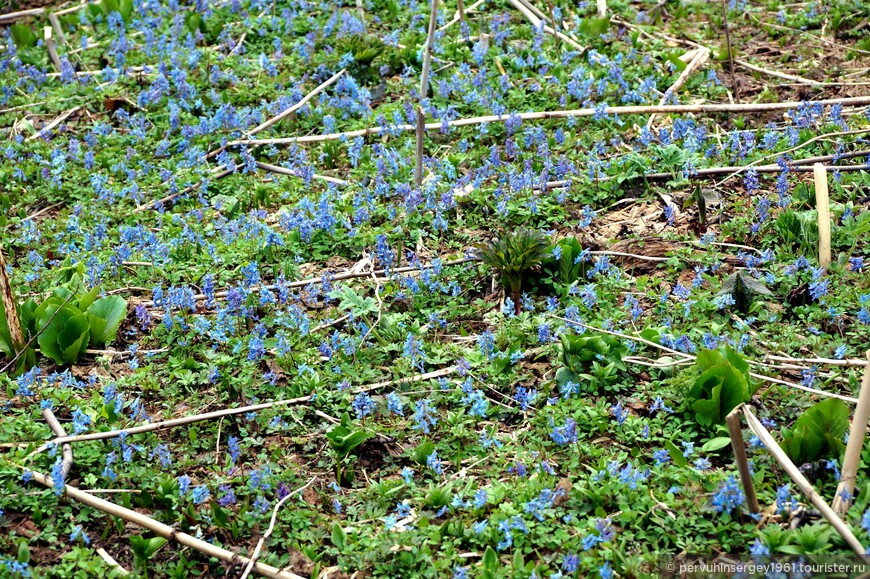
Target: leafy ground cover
<point>479,358</point>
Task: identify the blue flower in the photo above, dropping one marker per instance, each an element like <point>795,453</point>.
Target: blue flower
<point>433,462</point>
<point>728,497</point>
<point>79,534</point>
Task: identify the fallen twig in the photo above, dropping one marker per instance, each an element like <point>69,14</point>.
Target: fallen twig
<point>163,530</point>
<point>697,62</point>
<point>564,114</point>
<point>111,561</point>
<point>271,528</point>
<point>284,171</point>
<point>66,449</point>
<point>686,356</point>
<point>806,487</point>
<point>167,424</point>
<point>54,123</point>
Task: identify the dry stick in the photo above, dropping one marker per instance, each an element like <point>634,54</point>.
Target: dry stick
<point>806,487</point>
<point>421,133</point>
<point>742,63</point>
<point>777,74</point>
<point>734,86</point>
<point>336,277</point>
<point>292,173</point>
<point>11,311</point>
<point>699,59</point>
<point>110,561</point>
<point>575,113</point>
<point>262,127</point>
<point>166,424</point>
<point>271,528</point>
<point>51,48</point>
<point>460,11</point>
<point>163,530</point>
<point>829,361</point>
<point>58,29</point>
<point>185,191</point>
<point>602,8</point>
<point>66,449</point>
<point>846,489</point>
<point>693,357</point>
<point>361,12</point>
<point>54,123</point>
<point>427,50</point>
<point>733,422</point>
<point>795,148</point>
<point>424,91</point>
<point>290,110</point>
<point>538,22</point>
<point>823,208</point>
<point>456,17</point>
<point>13,16</point>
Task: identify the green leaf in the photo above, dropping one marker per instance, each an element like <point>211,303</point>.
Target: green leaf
<point>676,454</point>
<point>105,316</point>
<point>109,6</point>
<point>23,36</point>
<point>490,563</point>
<point>339,537</point>
<point>343,439</point>
<point>219,515</point>
<point>23,552</point>
<point>126,9</point>
<point>594,26</point>
<point>55,340</point>
<point>87,299</point>
<point>349,299</point>
<point>73,339</point>
<point>675,60</point>
<point>715,444</point>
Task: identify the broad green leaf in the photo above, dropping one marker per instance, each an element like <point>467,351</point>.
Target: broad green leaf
<point>676,454</point>
<point>105,316</point>
<point>87,299</point>
<point>50,331</point>
<point>715,444</point>
<point>73,339</point>
<point>339,537</point>
<point>23,36</point>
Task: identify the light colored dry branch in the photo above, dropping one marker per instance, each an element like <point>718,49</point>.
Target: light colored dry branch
<point>54,123</point>
<point>167,424</point>
<point>846,489</point>
<point>66,449</point>
<point>292,109</point>
<point>427,49</point>
<point>292,173</point>
<point>110,561</point>
<point>336,277</point>
<point>564,114</point>
<point>163,530</point>
<point>701,56</point>
<point>538,22</point>
<point>827,361</point>
<point>686,356</point>
<point>737,444</point>
<point>806,487</point>
<point>823,209</point>
<point>271,528</point>
<point>51,48</point>
<point>458,17</point>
